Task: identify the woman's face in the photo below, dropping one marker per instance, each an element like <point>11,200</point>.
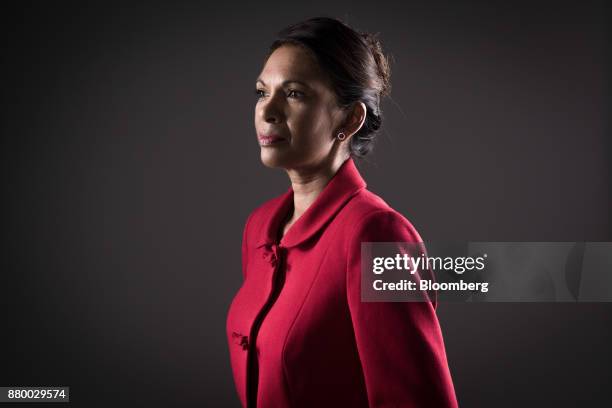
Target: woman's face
<point>296,115</point>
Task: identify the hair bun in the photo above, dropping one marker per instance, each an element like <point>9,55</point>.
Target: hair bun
<point>382,62</point>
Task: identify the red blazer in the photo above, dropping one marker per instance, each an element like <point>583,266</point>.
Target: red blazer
<point>298,333</point>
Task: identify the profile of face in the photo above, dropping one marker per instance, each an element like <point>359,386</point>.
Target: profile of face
<point>296,114</point>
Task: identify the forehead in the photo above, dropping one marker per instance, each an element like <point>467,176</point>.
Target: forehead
<point>291,62</point>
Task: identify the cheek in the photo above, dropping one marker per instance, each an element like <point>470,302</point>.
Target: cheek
<point>311,127</point>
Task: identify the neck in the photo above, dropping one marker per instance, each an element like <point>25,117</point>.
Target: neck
<point>308,182</point>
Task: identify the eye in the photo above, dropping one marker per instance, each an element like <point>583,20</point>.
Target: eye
<point>297,93</point>
<point>259,93</point>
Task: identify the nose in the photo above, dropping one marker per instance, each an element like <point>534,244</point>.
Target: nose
<point>271,109</point>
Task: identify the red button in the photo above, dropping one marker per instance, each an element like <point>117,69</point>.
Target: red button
<point>270,257</point>
<point>241,340</point>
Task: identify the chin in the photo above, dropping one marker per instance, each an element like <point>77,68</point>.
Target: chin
<point>271,159</point>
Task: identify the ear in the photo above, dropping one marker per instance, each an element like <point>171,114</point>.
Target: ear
<point>355,119</point>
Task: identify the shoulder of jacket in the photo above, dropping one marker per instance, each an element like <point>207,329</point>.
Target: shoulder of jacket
<point>368,211</point>
<point>364,205</point>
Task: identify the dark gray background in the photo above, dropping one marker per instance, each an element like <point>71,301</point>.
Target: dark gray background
<point>129,165</point>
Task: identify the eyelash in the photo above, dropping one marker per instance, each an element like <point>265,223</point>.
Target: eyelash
<point>259,91</point>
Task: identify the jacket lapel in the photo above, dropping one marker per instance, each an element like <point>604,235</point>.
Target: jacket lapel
<point>339,190</point>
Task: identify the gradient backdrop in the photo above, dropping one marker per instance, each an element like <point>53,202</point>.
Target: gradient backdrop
<point>129,164</point>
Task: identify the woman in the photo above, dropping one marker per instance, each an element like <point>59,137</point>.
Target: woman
<point>298,334</point>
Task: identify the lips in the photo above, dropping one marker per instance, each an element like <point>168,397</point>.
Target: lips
<point>271,139</point>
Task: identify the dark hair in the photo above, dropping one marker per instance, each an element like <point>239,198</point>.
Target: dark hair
<point>355,63</point>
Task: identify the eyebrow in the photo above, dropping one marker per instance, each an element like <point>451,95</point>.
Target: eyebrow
<point>289,81</point>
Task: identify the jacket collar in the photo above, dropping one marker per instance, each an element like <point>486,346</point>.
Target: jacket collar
<point>342,186</point>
